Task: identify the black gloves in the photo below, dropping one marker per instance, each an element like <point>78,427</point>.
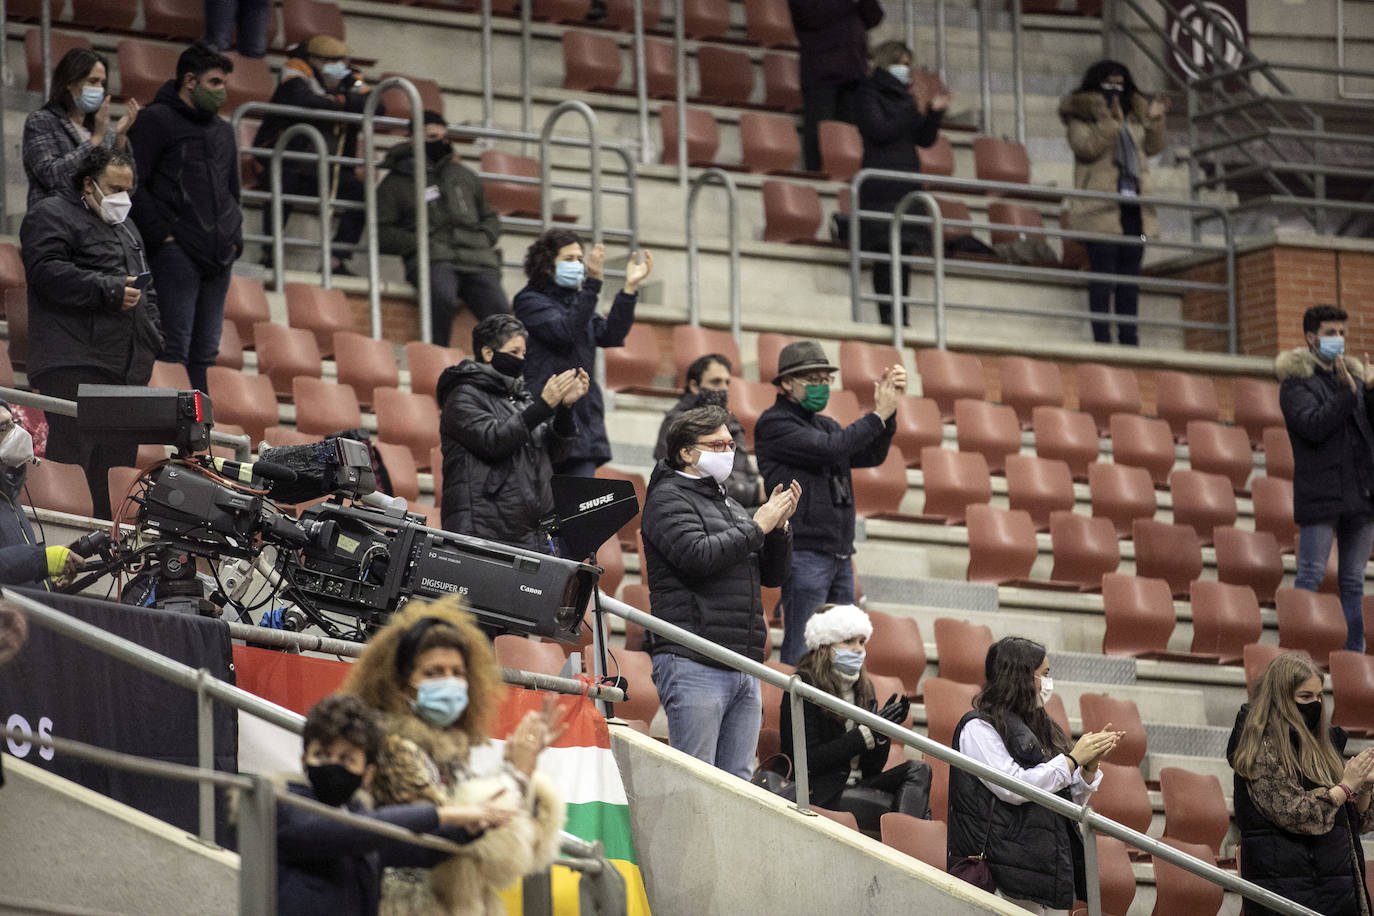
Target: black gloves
<point>896,709</point>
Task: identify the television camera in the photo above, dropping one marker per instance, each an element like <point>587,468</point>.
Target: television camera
<point>345,564</point>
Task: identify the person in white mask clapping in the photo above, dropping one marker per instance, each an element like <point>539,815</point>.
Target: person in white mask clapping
<point>705,559</point>
<point>92,307</point>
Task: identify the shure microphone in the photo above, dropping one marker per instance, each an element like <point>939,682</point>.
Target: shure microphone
<point>244,472</point>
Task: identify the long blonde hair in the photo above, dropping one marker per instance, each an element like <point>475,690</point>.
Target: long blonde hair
<point>1273,716</point>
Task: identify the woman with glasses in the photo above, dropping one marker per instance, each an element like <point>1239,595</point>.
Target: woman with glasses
<point>705,560</point>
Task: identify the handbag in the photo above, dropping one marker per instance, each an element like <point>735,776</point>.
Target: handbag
<point>780,784</point>
<point>975,869</point>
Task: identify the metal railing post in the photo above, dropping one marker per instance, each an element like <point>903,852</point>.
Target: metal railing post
<point>546,168</point>
<point>526,89</point>
<point>802,778</point>
<point>1228,232</point>
<point>45,36</point>
<point>937,250</point>
<point>1018,74</point>
<point>855,227</point>
<point>641,84</point>
<point>1094,900</point>
<point>417,144</point>
<point>940,40</point>
<point>279,207</point>
<point>984,68</point>
<point>258,849</point>
<point>488,79</point>
<point>680,76</point>
<point>1110,23</point>
<point>909,25</point>
<point>725,180</point>
<point>205,753</point>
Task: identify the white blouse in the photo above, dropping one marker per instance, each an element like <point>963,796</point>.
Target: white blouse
<point>980,740</point>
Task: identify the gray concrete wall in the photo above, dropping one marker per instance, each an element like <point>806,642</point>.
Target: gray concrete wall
<point>709,843</point>
<point>65,848</point>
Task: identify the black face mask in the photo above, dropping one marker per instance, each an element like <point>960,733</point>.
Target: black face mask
<point>1311,714</point>
<point>713,397</point>
<point>333,783</point>
<point>438,150</point>
<point>1112,92</point>
<point>508,365</point>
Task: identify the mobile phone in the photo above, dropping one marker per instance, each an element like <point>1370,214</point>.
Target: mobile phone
<point>142,280</point>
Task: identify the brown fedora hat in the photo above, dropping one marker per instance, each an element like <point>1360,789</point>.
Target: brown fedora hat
<point>802,356</point>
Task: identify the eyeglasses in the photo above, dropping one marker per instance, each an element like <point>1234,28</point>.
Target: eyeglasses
<point>817,378</point>
<point>717,445</point>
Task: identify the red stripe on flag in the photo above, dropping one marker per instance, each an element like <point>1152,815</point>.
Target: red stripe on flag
<point>297,682</point>
<point>585,727</point>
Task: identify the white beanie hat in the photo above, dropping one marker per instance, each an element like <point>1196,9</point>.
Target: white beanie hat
<point>839,624</point>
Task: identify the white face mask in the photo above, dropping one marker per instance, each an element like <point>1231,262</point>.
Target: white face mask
<point>16,448</point>
<point>716,465</point>
<point>1046,689</point>
<point>335,70</point>
<point>114,208</point>
<point>901,73</point>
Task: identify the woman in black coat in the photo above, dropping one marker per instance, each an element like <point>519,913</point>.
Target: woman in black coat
<point>845,761</point>
<point>893,125</point>
<point>558,307</point>
<point>499,441</point>
<point>1299,806</point>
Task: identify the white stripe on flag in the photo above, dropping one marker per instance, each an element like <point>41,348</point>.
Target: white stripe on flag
<point>267,748</point>
<point>582,774</point>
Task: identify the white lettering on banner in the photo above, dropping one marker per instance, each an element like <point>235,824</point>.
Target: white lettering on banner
<point>531,589</point>
<point>21,749</point>
<point>441,586</point>
<point>593,503</point>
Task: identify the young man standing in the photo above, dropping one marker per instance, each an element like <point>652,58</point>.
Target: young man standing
<point>186,205</point>
<point>1324,395</point>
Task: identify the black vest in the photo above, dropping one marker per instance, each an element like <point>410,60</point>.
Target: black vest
<point>1034,853</point>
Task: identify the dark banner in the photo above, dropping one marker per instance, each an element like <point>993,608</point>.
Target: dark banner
<point>61,688</point>
<point>1221,46</point>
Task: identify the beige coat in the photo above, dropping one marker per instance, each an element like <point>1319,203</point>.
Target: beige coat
<point>1092,132</point>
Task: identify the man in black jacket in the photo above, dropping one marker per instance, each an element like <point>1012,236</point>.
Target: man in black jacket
<point>500,442</point>
<point>187,205</point>
<point>708,385</point>
<point>89,320</point>
<point>793,440</point>
<point>317,75</point>
<point>1324,395</point>
<point>705,560</point>
<point>832,36</point>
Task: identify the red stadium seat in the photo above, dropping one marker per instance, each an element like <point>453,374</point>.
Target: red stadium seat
<point>878,490</point>
<point>1144,443</point>
<point>862,364</point>
<point>427,362</point>
<point>1169,552</point>
<point>143,68</point>
<point>1183,396</point>
<point>726,77</point>
<point>1100,710</point>
<point>1115,877</point>
<point>407,419</point>
<point>1041,486</point>
<point>525,654</point>
<point>1000,160</point>
<point>770,344</point>
<point>324,407</point>
<point>169,375</point>
<point>1182,893</point>
<point>1278,452</point>
<point>1069,436</point>
<point>1205,501</point>
<point>791,212</point>
<point>620,14</point>
<point>1249,558</point>
<point>918,426</point>
<point>897,650</point>
<point>947,376</point>
<point>1226,619</point>
<point>398,103</point>
<point>1121,493</point>
<point>284,353</point>
<point>918,838</point>
<point>1001,545</point>
<point>1352,689</point>
<point>591,62</point>
<point>1310,622</point>
<point>842,149</point>
<point>703,135</point>
<point>571,11</point>
<point>938,158</point>
<point>1085,549</point>
<point>366,364</point>
<point>946,702</point>
<point>175,20</point>
<point>963,650</point>
<point>769,143</point>
<point>58,487</point>
<point>705,19</point>
<point>304,19</point>
<point>1194,807</point>
<point>989,429</point>
<point>1123,796</point>
<point>748,401</point>
<point>690,342</point>
<point>245,400</point>
<point>769,23</point>
<point>1256,407</point>
<point>510,198</point>
<point>660,69</point>
<point>251,81</point>
<point>782,83</point>
<point>1139,614</point>
<point>634,365</point>
<point>1106,390</point>
<point>320,311</point>
<point>104,14</point>
<point>954,481</point>
<point>1272,498</point>
<point>1219,449</point>
<point>1028,384</point>
<point>246,305</point>
<point>1256,657</point>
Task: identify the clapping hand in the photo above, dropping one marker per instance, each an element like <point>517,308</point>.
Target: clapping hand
<point>536,731</point>
<point>557,387</point>
<point>896,709</point>
<point>1343,373</point>
<point>131,109</point>
<point>577,387</point>
<point>637,269</point>
<point>476,818</point>
<point>596,261</point>
<point>941,99</point>
<point>1115,108</point>
<point>1159,106</point>
<point>1093,746</point>
<point>779,507</point>
<point>887,391</point>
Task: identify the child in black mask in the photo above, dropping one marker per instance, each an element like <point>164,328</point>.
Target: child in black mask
<point>327,868</point>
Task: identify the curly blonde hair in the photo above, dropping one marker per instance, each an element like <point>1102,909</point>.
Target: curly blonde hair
<point>376,677</point>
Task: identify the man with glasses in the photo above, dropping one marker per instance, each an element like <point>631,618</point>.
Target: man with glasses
<point>794,441</point>
<point>704,560</point>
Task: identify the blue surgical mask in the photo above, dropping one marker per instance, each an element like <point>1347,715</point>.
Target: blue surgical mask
<point>335,70</point>
<point>90,99</point>
<point>901,73</point>
<point>569,273</point>
<point>847,661</point>
<point>1330,347</point>
<point>441,700</point>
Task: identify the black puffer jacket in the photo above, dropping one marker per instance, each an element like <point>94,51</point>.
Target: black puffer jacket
<point>565,331</point>
<point>1333,446</point>
<point>77,265</point>
<point>188,181</point>
<point>705,560</point>
<point>830,746</point>
<point>1034,853</point>
<point>832,36</point>
<point>499,444</point>
<point>743,483</point>
<point>1323,871</point>
<point>814,449</point>
<point>892,127</point>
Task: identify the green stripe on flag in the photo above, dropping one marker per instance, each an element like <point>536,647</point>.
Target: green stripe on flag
<point>608,823</point>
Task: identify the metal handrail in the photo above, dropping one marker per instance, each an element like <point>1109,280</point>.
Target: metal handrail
<point>241,443</point>
<point>641,83</point>
<point>984,67</point>
<point>799,691</point>
<point>417,143</point>
<point>938,251</point>
<point>278,206</point>
<point>857,256</point>
<point>727,181</point>
<point>572,106</point>
<point>488,77</point>
<point>680,91</point>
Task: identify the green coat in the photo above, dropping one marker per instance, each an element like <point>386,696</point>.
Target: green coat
<point>463,227</point>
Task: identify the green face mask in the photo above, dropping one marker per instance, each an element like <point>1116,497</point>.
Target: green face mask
<point>211,100</point>
<point>816,397</point>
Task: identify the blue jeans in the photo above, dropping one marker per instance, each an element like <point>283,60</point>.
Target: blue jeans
<point>817,579</point>
<point>714,714</point>
<point>251,17</point>
<point>190,306</point>
<point>1354,537</point>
